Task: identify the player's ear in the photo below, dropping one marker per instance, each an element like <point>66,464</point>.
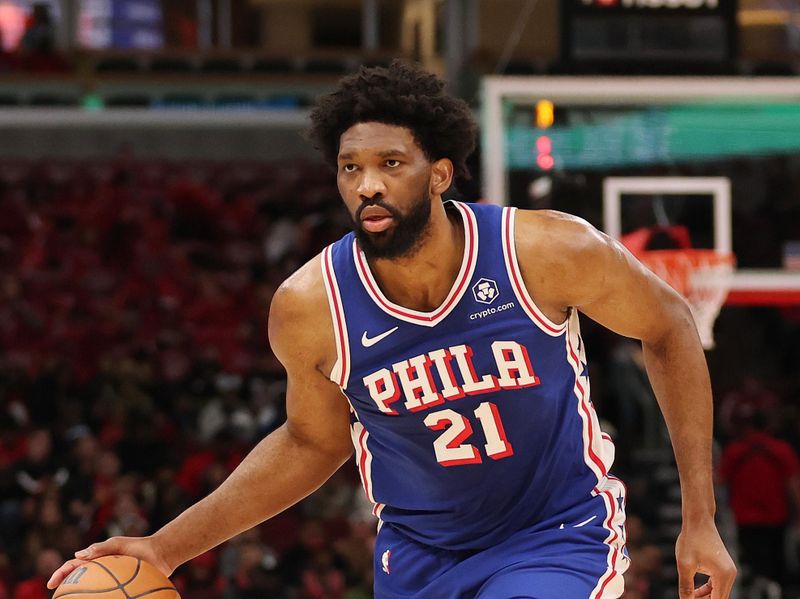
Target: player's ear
<point>441,176</point>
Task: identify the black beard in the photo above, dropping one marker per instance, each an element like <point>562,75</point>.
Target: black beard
<point>400,241</point>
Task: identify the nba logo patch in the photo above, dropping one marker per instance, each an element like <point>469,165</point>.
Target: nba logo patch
<point>485,291</point>
<point>385,560</point>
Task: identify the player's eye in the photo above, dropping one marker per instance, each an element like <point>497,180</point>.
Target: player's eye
<point>349,168</point>
<point>392,163</point>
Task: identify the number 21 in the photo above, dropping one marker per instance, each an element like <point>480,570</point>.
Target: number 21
<point>450,448</point>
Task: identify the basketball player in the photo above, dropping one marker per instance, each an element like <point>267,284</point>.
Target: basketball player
<point>442,341</point>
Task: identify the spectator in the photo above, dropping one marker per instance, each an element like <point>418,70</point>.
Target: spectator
<point>39,468</point>
<point>35,586</point>
<point>736,406</point>
<point>763,477</point>
<point>200,578</point>
<point>39,36</point>
<point>309,563</point>
<point>37,51</point>
<point>250,567</point>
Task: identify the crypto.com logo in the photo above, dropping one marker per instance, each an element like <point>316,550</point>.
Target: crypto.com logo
<point>485,291</point>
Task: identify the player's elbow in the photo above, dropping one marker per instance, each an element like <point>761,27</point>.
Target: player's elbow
<point>333,449</point>
<point>673,323</point>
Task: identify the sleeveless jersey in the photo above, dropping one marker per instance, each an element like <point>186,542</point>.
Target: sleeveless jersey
<point>472,421</point>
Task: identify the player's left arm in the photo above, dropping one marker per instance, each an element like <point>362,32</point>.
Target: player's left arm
<point>568,264</point>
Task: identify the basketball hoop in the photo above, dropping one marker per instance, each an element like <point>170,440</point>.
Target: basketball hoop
<point>703,277</point>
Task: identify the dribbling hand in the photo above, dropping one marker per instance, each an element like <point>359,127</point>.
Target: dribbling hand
<point>700,550</point>
<point>142,547</point>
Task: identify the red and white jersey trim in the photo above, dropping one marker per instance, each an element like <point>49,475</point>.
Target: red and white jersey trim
<point>360,438</point>
<point>515,276</point>
<point>611,584</point>
<point>428,319</point>
<point>363,457</point>
<point>340,373</point>
<point>598,450</point>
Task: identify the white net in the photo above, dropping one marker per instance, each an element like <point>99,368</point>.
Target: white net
<point>703,277</point>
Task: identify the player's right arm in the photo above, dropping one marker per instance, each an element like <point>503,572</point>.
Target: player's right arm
<point>284,467</point>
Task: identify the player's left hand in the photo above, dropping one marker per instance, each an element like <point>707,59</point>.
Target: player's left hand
<point>700,550</point>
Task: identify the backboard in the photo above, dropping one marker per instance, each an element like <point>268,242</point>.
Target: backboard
<point>720,156</point>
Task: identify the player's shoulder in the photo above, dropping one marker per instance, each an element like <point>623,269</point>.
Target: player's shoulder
<point>564,259</point>
<point>302,293</point>
<point>556,236</point>
<point>299,311</point>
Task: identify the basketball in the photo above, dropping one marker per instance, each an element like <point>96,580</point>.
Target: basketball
<point>117,577</point>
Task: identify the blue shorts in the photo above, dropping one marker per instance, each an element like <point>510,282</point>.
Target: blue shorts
<point>583,557</point>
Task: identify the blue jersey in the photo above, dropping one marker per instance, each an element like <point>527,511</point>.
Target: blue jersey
<point>474,420</point>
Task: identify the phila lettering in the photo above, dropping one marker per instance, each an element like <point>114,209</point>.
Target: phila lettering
<point>428,380</point>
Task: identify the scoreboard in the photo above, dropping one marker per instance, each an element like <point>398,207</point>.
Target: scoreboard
<point>542,135</point>
<point>648,32</point>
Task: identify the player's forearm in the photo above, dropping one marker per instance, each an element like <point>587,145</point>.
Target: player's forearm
<point>678,373</point>
<point>277,473</point>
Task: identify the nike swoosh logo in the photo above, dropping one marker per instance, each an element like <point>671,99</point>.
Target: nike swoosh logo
<point>370,341</point>
<point>585,522</point>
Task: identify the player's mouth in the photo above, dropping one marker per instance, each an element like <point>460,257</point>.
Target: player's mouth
<point>375,219</point>
<point>376,225</point>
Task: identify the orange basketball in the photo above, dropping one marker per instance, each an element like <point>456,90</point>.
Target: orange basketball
<point>116,577</point>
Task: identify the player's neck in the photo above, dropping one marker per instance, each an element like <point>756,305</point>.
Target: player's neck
<point>423,280</point>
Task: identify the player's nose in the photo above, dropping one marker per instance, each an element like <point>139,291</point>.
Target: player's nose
<point>371,184</point>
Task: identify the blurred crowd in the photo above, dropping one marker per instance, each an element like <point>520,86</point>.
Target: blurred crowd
<point>759,468</point>
<point>173,263</point>
<point>135,374</point>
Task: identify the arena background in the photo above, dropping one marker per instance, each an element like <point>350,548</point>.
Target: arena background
<point>156,188</point>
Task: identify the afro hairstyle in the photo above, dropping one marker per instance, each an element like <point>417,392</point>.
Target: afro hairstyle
<point>402,95</point>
